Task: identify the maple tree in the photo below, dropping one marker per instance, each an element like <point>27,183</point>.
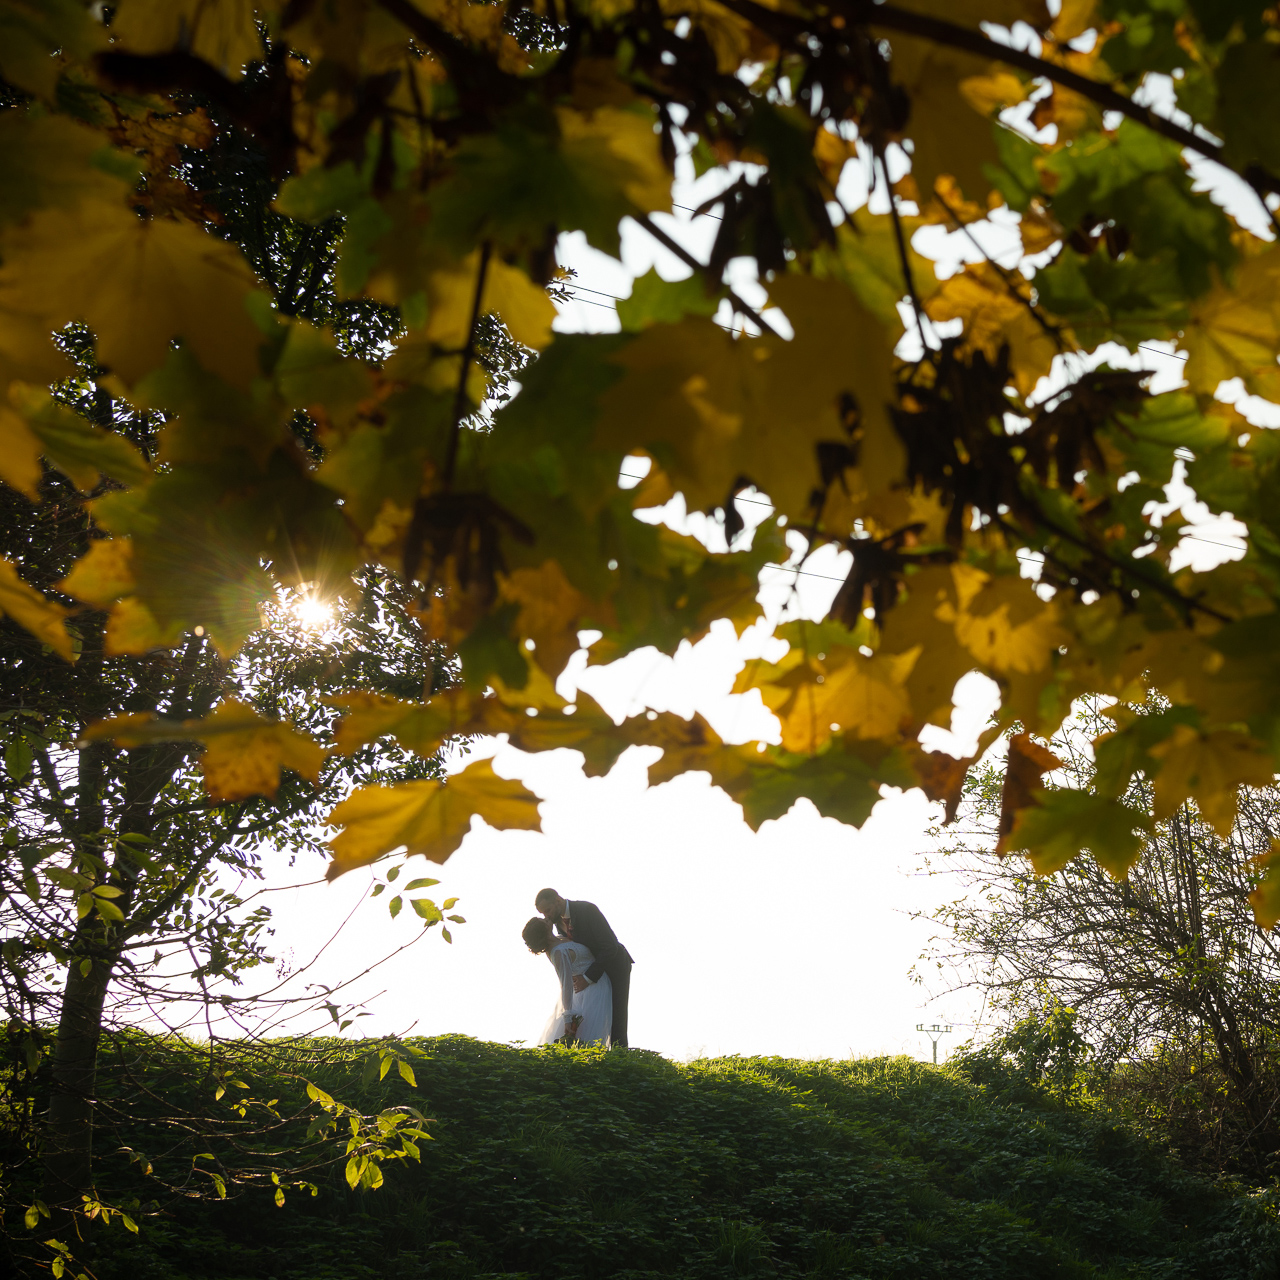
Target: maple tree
<point>428,154</point>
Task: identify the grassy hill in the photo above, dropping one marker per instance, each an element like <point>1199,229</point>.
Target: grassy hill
<point>559,1163</point>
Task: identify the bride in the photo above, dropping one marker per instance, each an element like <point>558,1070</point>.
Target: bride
<point>579,1017</point>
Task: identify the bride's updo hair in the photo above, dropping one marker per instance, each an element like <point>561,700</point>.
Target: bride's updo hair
<point>537,935</point>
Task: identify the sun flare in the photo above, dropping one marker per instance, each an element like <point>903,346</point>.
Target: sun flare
<point>312,612</point>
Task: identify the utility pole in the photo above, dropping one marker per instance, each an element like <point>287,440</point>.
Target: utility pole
<point>935,1033</point>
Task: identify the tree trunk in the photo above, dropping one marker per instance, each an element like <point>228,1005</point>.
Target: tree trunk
<point>67,1147</point>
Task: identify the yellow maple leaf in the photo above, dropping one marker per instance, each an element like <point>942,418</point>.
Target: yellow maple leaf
<point>923,624</point>
<point>19,453</point>
<point>580,726</point>
<point>244,752</point>
<point>48,160</point>
<point>133,629</point>
<point>310,371</point>
<point>551,609</point>
<point>534,718</point>
<point>1072,113</point>
<point>417,727</point>
<point>245,756</point>
<point>1211,767</point>
<point>1188,671</point>
<point>137,284</point>
<point>1002,622</point>
<point>839,691</point>
<point>483,25</point>
<point>692,746</point>
<point>865,257</point>
<point>619,143</point>
<point>997,310</point>
<point>1265,896</point>
<point>1234,331</point>
<point>33,424</point>
<point>525,309</point>
<point>34,32</point>
<point>713,408</point>
<point>848,693</point>
<point>833,152</point>
<point>429,818</point>
<point>224,33</point>
<point>27,352</point>
<point>1074,18</point>
<point>989,93</point>
<point>103,574</point>
<point>947,136</point>
<point>30,610</point>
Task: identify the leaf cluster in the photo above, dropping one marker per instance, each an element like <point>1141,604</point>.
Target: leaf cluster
<point>317,244</point>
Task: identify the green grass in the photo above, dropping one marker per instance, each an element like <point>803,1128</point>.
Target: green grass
<point>562,1163</point>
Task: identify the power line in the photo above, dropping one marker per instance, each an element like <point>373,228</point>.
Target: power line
<point>1230,546</point>
<point>600,292</point>
<point>698,212</point>
<point>755,502</point>
<point>807,573</point>
<point>590,302</point>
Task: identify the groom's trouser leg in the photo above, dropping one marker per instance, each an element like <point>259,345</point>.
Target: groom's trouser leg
<point>620,978</point>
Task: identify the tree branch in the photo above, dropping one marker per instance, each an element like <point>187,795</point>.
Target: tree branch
<point>867,13</point>
<point>690,261</point>
<point>889,18</point>
<point>468,354</point>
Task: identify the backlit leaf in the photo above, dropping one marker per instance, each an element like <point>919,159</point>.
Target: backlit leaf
<point>1209,767</point>
<point>136,284</point>
<point>36,425</point>
<point>244,752</point>
<point>1234,331</point>
<point>33,31</point>
<point>997,310</point>
<point>1027,761</point>
<point>29,609</point>
<point>1064,823</point>
<point>103,574</point>
<point>428,817</point>
<point>1264,898</point>
<point>714,410</point>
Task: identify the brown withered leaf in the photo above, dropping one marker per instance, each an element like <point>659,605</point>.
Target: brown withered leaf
<point>1028,762</point>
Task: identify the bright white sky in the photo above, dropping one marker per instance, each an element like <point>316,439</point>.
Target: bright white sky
<point>795,940</point>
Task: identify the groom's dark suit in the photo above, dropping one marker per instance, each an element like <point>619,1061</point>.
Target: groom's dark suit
<point>592,930</point>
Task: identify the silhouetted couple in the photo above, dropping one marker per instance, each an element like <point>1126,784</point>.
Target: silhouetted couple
<point>593,968</point>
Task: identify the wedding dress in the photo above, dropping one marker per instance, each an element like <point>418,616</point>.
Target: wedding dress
<point>595,1004</point>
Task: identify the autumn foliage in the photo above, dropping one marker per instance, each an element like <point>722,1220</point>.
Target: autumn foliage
<point>903,417</point>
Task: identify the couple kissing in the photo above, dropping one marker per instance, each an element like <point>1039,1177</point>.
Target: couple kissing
<point>593,969</point>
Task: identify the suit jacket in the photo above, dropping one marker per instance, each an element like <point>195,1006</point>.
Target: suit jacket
<point>592,930</point>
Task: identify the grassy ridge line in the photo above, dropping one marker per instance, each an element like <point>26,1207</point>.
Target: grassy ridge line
<point>559,1163</point>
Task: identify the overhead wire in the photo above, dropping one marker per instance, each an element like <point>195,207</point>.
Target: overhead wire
<point>599,292</point>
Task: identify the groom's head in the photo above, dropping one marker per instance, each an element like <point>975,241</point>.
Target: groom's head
<point>549,903</point>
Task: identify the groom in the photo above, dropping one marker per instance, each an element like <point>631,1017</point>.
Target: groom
<point>584,922</point>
